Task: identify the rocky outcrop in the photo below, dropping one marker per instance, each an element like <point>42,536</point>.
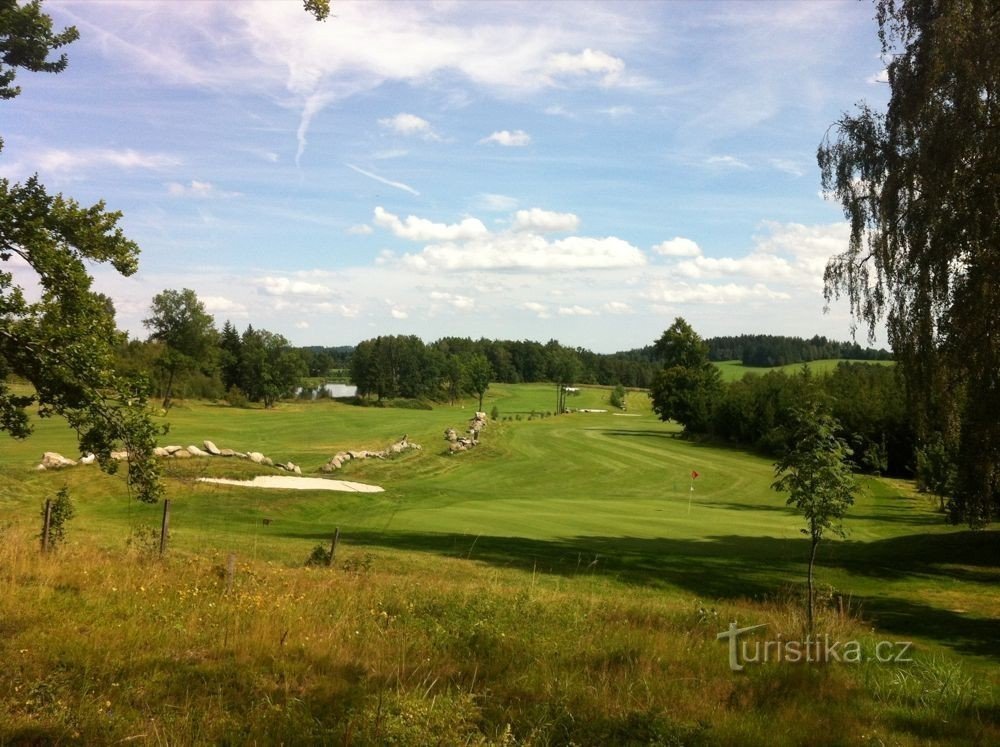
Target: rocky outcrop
<point>55,460</point>
<point>458,443</point>
<point>341,458</point>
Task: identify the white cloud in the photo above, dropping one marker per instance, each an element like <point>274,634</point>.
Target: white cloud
<point>66,162</point>
<point>788,166</point>
<point>527,252</point>
<point>758,265</point>
<point>463,303</point>
<point>495,203</point>
<point>348,311</point>
<point>617,307</point>
<point>302,324</point>
<point>197,188</point>
<point>222,305</point>
<point>575,311</point>
<point>536,308</point>
<point>361,229</point>
<point>398,313</point>
<point>410,125</point>
<point>420,229</point>
<point>678,247</point>
<point>587,62</point>
<point>508,139</point>
<point>544,221</point>
<point>383,180</point>
<point>726,162</point>
<point>282,286</point>
<point>880,77</point>
<point>707,293</point>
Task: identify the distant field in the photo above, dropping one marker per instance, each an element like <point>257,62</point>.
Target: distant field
<point>583,524</point>
<point>734,370</point>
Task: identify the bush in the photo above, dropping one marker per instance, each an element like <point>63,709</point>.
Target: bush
<point>495,413</point>
<point>236,397</point>
<point>61,511</point>
<point>320,556</point>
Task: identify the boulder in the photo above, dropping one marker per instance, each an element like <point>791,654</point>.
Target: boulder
<point>88,459</point>
<point>182,454</point>
<point>195,451</point>
<point>54,460</point>
<point>212,448</point>
<point>481,416</point>
<point>296,469</point>
<point>256,457</point>
<point>451,435</point>
<point>358,454</point>
<point>119,456</point>
<point>268,462</point>
<point>172,449</point>
<point>227,452</point>
<point>240,454</point>
<point>160,452</point>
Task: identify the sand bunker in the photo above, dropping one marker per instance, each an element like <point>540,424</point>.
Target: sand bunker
<point>296,483</point>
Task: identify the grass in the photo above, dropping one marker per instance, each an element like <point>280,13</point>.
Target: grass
<point>734,370</point>
<point>583,524</point>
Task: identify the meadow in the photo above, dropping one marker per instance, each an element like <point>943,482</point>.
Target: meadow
<point>561,583</point>
<point>734,370</point>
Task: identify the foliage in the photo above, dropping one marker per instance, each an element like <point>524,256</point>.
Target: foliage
<point>178,320</point>
<point>687,386</point>
<point>60,512</point>
<point>495,413</point>
<point>477,373</point>
<point>269,368</point>
<point>617,398</point>
<point>918,184</point>
<point>780,350</point>
<point>63,343</point>
<point>817,477</point>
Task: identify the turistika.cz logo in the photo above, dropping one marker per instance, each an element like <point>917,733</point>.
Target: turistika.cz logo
<point>811,650</point>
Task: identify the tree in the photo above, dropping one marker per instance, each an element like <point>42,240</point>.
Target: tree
<point>269,368</point>
<point>919,186</point>
<point>478,373</point>
<point>686,388</point>
<point>179,320</point>
<point>230,352</point>
<point>564,369</point>
<point>63,343</point>
<point>815,473</point>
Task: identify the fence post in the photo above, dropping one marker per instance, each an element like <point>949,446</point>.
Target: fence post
<point>165,527</point>
<point>333,546</point>
<point>46,524</point>
<point>230,571</point>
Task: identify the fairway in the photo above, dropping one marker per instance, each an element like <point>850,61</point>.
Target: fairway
<point>551,494</point>
<point>735,370</point>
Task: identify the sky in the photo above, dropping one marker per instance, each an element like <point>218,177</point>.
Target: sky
<point>584,172</point>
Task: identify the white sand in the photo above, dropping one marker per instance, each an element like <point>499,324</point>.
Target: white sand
<point>296,483</point>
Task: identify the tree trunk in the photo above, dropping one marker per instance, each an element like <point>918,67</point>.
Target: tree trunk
<point>481,401</point>
<point>167,395</point>
<point>812,562</point>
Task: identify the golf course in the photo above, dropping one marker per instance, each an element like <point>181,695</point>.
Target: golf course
<point>563,582</point>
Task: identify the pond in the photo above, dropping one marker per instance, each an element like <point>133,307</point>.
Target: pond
<point>335,391</point>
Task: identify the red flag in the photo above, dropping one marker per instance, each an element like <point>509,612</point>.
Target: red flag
<point>694,475</point>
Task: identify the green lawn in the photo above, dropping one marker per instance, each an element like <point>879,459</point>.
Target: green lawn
<point>733,370</point>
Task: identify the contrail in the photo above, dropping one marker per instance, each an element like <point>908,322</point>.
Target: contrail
<point>376,177</point>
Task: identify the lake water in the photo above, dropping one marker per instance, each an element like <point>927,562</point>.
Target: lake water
<point>334,390</point>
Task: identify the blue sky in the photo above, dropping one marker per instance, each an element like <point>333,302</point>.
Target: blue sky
<point>577,171</point>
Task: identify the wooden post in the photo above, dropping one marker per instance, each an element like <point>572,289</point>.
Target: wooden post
<point>230,571</point>
<point>46,525</point>
<point>165,527</point>
<point>333,546</point>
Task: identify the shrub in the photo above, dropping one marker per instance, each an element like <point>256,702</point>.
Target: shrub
<point>320,556</point>
<point>495,413</point>
<point>236,397</point>
<point>61,511</point>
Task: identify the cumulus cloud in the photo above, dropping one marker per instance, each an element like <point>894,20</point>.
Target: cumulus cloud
<point>678,247</point>
<point>410,125</point>
<point>527,252</point>
<point>223,305</point>
<point>708,293</point>
<point>421,229</point>
<point>616,307</point>
<point>587,62</point>
<point>508,139</point>
<point>880,77</point>
<point>282,286</point>
<point>495,203</point>
<point>398,313</point>
<point>463,303</point>
<point>536,308</point>
<point>576,311</point>
<point>544,221</point>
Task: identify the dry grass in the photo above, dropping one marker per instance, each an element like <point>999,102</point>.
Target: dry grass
<point>397,648</point>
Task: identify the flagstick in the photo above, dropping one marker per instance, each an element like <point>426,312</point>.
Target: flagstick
<point>690,493</point>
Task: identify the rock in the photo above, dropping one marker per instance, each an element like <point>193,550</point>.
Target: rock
<point>335,463</point>
<point>119,456</point>
<point>256,457</point>
<point>358,454</point>
<point>88,459</point>
<point>456,446</point>
<point>397,448</point>
<point>172,449</point>
<point>343,456</point>
<point>182,454</point>
<point>54,460</point>
<point>227,452</point>
<point>481,416</point>
<point>160,452</point>
<point>240,454</point>
<point>268,462</point>
<point>195,451</point>
<point>212,448</point>
<point>40,467</point>
<point>296,469</point>
<point>451,435</point>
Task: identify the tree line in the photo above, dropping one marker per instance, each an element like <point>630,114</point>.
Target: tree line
<point>780,350</point>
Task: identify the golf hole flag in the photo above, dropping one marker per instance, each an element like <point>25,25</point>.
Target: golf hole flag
<point>694,475</point>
